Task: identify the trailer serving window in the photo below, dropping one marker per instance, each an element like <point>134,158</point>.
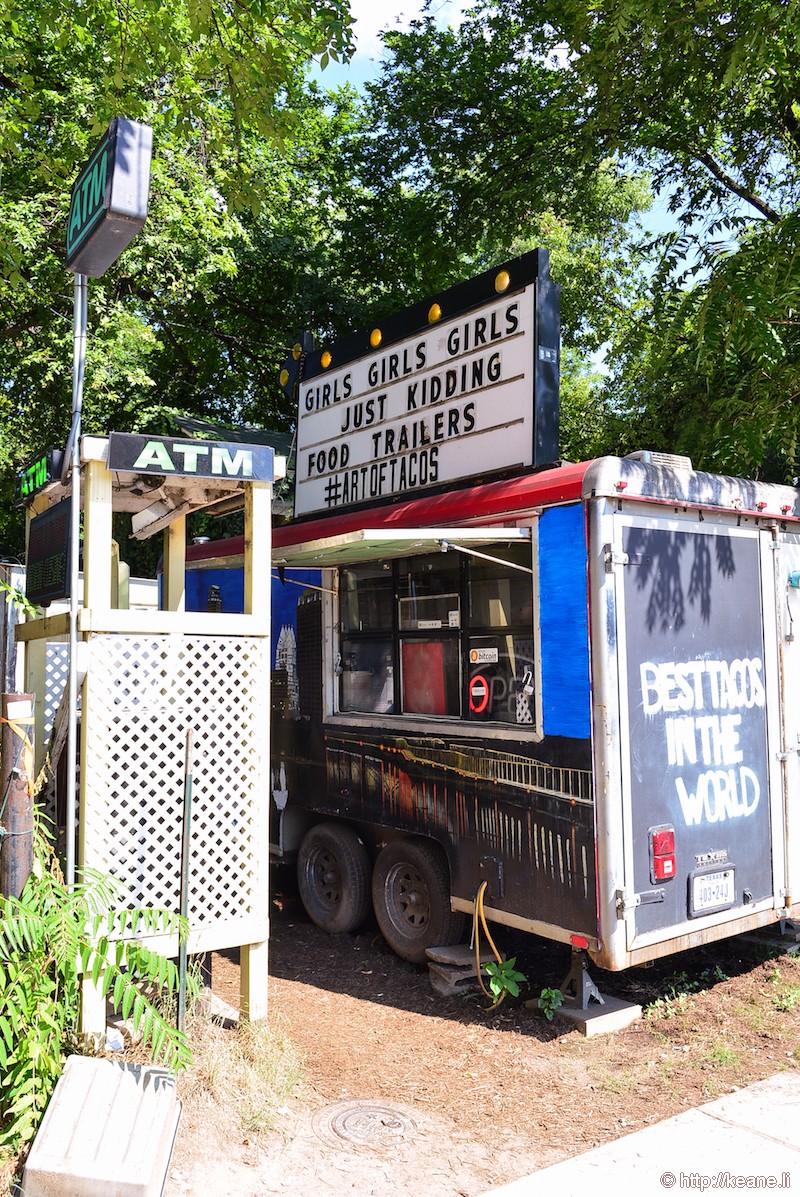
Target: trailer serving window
<point>431,621</point>
<point>448,634</point>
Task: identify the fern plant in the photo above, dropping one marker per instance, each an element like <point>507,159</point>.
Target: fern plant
<point>49,938</point>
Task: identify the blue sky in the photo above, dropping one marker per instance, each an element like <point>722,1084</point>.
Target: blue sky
<point>372,16</point>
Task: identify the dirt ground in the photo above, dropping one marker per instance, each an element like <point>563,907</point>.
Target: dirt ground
<point>406,1092</point>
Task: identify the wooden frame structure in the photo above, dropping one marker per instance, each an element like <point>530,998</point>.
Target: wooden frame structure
<point>148,679</point>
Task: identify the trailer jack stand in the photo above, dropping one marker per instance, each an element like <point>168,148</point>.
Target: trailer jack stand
<point>578,987</point>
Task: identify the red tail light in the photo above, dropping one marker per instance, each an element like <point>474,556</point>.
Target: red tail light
<point>663,866</point>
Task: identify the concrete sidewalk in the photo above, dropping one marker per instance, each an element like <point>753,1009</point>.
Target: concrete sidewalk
<point>748,1140</point>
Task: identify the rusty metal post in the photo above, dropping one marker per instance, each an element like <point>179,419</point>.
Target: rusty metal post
<point>16,793</point>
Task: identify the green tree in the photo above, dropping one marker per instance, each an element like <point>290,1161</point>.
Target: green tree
<point>464,162</point>
<point>223,88</point>
<point>705,95</point>
<point>531,108</point>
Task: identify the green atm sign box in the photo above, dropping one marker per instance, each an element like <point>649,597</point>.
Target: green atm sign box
<point>37,475</point>
<point>108,203</point>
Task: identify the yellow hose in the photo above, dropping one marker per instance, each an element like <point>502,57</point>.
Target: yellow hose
<point>479,920</point>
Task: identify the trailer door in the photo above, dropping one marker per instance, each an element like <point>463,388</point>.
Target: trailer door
<point>694,720</point>
<point>787,579</point>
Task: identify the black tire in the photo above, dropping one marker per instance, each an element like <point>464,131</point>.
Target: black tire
<point>333,872</point>
<point>411,897</point>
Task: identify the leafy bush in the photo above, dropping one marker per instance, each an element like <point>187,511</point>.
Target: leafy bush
<point>49,938</point>
<point>550,1001</point>
<point>504,978</point>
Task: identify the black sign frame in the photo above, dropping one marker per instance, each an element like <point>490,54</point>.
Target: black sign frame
<point>109,198</point>
<point>49,555</point>
<point>182,457</point>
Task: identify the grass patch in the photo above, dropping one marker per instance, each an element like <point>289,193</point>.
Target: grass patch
<point>787,995</point>
<point>616,1082</point>
<point>249,1071</point>
<point>755,1014</point>
<point>721,1053</point>
<point>678,988</point>
<point>667,1007</point>
<point>10,1168</point>
<point>788,999</point>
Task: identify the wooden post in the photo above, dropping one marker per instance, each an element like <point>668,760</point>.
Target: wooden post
<point>253,981</point>
<point>253,972</point>
<point>174,573</point>
<point>16,794</point>
<point>97,512</point>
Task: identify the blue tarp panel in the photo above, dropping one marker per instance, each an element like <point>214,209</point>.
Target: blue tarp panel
<point>564,622</point>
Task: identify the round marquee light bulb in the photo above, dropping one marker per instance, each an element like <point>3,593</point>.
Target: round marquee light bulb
<point>502,282</point>
<point>326,360</point>
<point>297,352</point>
<point>283,377</point>
<point>375,338</point>
<point>434,313</point>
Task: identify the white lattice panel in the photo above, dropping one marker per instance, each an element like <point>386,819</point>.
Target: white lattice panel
<point>56,678</point>
<point>143,695</point>
<point>56,675</point>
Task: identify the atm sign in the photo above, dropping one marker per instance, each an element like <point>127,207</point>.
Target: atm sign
<point>38,474</point>
<point>88,202</point>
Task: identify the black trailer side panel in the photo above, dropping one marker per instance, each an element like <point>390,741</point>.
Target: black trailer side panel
<point>523,825</point>
<point>515,811</point>
<point>697,729</point>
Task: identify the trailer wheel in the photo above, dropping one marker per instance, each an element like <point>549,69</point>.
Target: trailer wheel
<point>333,871</point>
<point>411,897</point>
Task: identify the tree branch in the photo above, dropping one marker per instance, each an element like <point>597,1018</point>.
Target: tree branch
<point>730,183</point>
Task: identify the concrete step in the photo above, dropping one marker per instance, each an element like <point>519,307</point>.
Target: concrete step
<point>108,1131</point>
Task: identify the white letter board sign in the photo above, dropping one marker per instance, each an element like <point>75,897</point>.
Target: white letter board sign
<point>461,386</point>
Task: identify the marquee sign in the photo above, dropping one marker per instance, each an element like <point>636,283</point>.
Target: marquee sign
<point>108,202</point>
<point>460,387</point>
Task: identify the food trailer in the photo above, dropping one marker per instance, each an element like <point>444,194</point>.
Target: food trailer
<point>578,684</point>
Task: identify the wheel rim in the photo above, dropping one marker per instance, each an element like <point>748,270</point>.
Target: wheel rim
<point>408,901</point>
<point>324,876</point>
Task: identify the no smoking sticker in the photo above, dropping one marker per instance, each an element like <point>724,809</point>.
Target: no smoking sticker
<point>478,693</point>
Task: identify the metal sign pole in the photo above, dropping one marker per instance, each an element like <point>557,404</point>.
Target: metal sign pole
<point>108,207</point>
<point>72,461</point>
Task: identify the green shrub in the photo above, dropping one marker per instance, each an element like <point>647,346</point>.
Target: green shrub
<point>49,938</point>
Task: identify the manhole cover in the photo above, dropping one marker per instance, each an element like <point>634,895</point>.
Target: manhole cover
<point>365,1123</point>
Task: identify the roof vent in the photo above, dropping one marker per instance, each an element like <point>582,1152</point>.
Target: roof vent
<point>675,461</point>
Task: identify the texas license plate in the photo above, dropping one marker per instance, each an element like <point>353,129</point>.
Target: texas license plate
<point>712,891</point>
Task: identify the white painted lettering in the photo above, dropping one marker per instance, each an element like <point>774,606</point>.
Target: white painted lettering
<point>154,454</point>
<point>720,795</point>
<point>190,454</point>
<point>235,465</point>
<point>702,703</point>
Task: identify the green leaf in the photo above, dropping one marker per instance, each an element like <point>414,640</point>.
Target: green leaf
<point>99,960</point>
<point>120,985</point>
<point>139,1009</point>
<point>128,1000</point>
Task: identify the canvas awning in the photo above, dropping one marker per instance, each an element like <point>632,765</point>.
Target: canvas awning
<point>380,544</point>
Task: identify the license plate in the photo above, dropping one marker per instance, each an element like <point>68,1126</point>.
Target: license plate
<point>712,891</point>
